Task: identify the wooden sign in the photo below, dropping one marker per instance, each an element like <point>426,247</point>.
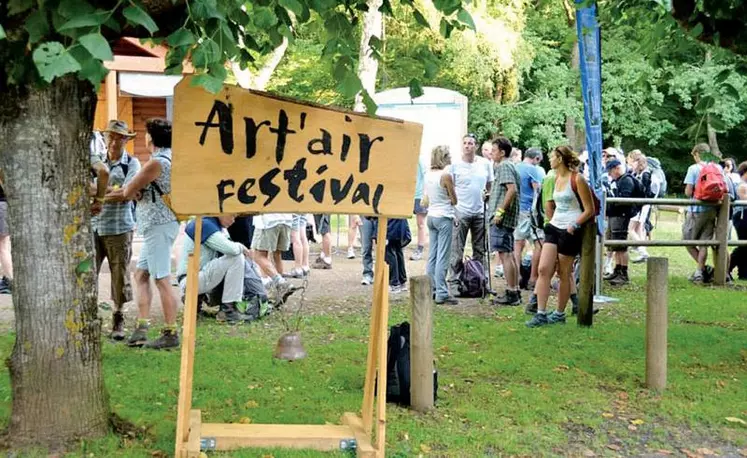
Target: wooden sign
<point>242,151</point>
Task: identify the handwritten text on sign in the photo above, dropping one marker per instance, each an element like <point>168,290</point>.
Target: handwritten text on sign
<point>242,151</point>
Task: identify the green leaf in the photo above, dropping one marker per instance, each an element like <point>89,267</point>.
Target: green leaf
<point>717,123</point>
<point>731,91</point>
<point>375,43</point>
<point>706,103</point>
<point>84,266</point>
<point>97,45</point>
<point>386,7</point>
<point>19,6</point>
<point>206,53</point>
<point>91,69</point>
<point>420,19</point>
<point>722,76</point>
<point>294,6</point>
<point>696,31</point>
<point>264,18</point>
<point>87,20</point>
<point>135,15</point>
<point>73,8</point>
<point>446,28</point>
<point>209,82</point>
<point>466,19</point>
<point>37,26</point>
<point>53,60</point>
<point>431,68</point>
<point>370,104</point>
<point>206,9</point>
<point>350,85</point>
<point>338,24</point>
<point>2,32</point>
<point>181,37</point>
<point>416,90</point>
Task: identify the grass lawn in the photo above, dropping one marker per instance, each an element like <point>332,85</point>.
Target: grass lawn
<point>504,389</point>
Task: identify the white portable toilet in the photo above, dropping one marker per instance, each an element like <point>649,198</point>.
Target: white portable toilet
<point>442,112</point>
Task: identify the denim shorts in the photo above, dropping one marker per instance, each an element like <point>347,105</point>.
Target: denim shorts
<point>299,222</point>
<point>155,256</point>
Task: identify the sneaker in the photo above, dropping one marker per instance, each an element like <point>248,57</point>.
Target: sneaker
<point>367,280</point>
<point>708,274</point>
<point>118,332</point>
<point>613,274</point>
<point>351,253</point>
<point>447,301</point>
<point>498,272</point>
<point>609,267</point>
<point>530,286</point>
<point>139,336</point>
<point>321,264</point>
<point>511,298</point>
<point>395,289</point>
<point>621,279</point>
<point>6,286</point>
<point>539,319</point>
<point>531,307</point>
<point>640,260</point>
<point>167,340</point>
<point>417,255</point>
<point>296,273</point>
<point>556,317</point>
<point>283,290</point>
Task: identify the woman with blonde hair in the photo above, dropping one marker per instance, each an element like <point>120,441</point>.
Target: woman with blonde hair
<point>439,198</point>
<point>573,206</point>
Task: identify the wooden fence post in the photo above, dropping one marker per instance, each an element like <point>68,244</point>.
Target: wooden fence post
<point>421,344</point>
<point>586,283</point>
<point>721,253</point>
<point>657,283</point>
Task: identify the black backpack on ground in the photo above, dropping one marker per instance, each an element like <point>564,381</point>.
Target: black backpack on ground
<point>472,281</point>
<point>398,366</point>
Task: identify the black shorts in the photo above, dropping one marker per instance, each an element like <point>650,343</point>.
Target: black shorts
<point>618,230</point>
<point>568,244</point>
<point>501,239</point>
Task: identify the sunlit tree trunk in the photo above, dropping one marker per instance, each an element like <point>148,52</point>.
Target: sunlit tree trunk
<point>368,65</point>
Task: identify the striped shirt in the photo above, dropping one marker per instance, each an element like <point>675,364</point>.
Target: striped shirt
<point>117,217</point>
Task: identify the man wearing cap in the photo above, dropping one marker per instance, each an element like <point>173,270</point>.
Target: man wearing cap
<point>622,185</point>
<point>531,175</point>
<point>112,228</point>
<point>473,176</point>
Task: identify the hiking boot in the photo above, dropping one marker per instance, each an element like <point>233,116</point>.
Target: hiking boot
<point>556,318</point>
<point>539,319</point>
<point>139,336</point>
<point>511,298</point>
<point>613,275</point>
<point>531,307</point>
<point>621,279</point>
<point>321,264</point>
<point>230,314</point>
<point>6,286</point>
<point>118,332</point>
<point>167,340</point>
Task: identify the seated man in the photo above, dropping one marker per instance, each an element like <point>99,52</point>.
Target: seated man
<point>221,261</point>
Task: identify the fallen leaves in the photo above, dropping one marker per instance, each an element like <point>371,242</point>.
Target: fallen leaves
<point>706,451</point>
<point>662,451</point>
<point>637,422</point>
<point>251,404</point>
<point>424,448</point>
<point>561,368</point>
<point>614,447</point>
<point>608,415</point>
<point>245,420</point>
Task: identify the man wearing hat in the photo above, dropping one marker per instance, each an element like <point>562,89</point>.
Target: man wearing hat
<point>622,184</point>
<point>112,228</point>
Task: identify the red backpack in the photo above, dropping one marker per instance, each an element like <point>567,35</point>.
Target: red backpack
<point>711,184</point>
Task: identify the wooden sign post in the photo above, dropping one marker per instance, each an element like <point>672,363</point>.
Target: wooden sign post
<point>242,151</point>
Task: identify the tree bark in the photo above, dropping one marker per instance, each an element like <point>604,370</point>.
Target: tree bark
<point>712,138</point>
<point>55,368</point>
<point>368,65</point>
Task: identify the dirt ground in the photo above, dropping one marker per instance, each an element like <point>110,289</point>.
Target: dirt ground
<point>334,291</point>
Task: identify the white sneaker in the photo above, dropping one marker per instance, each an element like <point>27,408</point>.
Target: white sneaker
<point>351,253</point>
<point>367,280</point>
<point>498,273</point>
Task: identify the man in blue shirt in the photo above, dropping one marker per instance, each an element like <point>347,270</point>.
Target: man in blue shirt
<point>531,176</point>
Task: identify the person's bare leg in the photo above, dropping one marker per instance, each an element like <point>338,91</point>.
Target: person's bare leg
<point>518,251</point>
<point>144,294</point>
<point>262,259</point>
<point>327,246</point>
<point>564,272</point>
<point>510,271</point>
<point>546,271</point>
<point>536,253</point>
<point>6,263</point>
<point>298,249</point>
<point>353,223</point>
<point>168,300</point>
<point>305,250</point>
<point>420,221</point>
<point>278,261</point>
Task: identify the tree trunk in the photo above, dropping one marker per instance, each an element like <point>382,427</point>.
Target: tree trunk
<point>712,139</point>
<point>368,66</point>
<point>249,80</point>
<point>571,132</point>
<point>55,368</point>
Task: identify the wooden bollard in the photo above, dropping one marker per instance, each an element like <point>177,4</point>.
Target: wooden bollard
<point>421,344</point>
<point>657,279</point>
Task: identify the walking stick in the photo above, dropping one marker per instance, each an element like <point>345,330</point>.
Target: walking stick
<point>487,247</point>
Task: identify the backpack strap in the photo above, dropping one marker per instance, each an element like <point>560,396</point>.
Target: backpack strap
<point>574,188</point>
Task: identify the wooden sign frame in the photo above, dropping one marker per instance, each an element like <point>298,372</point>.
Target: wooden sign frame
<point>355,431</point>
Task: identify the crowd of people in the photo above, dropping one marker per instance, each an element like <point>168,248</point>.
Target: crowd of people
<point>525,219</point>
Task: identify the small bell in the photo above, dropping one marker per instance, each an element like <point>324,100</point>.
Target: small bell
<point>290,347</point>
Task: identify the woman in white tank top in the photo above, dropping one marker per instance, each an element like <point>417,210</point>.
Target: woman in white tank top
<point>439,198</point>
<point>571,206</point>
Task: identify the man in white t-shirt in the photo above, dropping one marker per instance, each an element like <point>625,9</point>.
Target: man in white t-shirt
<point>473,176</point>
